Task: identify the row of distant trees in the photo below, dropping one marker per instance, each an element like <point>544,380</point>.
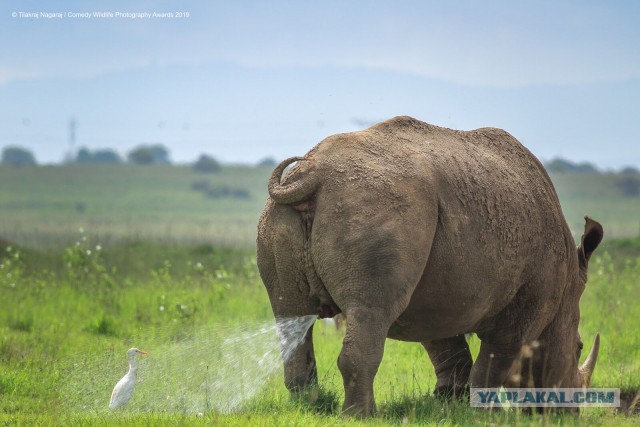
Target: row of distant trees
<point>148,154</point>
<point>152,154</point>
<point>158,154</point>
<point>17,156</point>
<point>566,166</point>
<point>627,180</point>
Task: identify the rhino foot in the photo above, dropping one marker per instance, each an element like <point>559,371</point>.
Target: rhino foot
<point>451,392</point>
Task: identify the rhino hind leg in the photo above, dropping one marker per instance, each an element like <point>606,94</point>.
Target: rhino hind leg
<point>452,362</point>
<point>361,354</point>
<point>300,370</point>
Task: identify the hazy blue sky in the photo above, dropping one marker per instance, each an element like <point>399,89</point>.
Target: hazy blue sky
<point>243,80</point>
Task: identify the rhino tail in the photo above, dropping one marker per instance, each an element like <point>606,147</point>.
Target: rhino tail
<point>297,191</point>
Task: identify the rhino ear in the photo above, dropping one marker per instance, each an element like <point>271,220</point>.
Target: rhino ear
<point>593,234</point>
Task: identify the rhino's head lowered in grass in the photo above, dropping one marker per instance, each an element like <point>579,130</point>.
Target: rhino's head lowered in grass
<point>553,359</point>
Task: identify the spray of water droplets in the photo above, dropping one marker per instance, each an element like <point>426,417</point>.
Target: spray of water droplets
<point>215,369</point>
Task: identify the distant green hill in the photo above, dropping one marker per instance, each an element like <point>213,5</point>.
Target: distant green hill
<point>45,206</point>
<point>598,196</point>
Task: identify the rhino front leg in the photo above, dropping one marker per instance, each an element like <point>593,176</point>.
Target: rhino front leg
<point>361,354</point>
<point>493,364</point>
<point>452,361</point>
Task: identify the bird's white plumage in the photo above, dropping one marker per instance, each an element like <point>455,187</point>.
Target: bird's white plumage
<point>123,390</point>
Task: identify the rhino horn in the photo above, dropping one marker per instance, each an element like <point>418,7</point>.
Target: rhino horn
<point>586,370</point>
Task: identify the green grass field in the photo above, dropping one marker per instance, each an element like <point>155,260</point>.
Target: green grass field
<point>45,206</point>
<point>161,267</point>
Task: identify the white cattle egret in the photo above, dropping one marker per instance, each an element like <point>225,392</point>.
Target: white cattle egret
<point>123,391</point>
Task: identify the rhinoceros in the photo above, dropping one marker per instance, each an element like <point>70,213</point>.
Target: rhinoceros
<point>423,234</point>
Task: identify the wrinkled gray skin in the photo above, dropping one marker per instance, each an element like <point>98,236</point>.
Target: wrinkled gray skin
<point>421,233</point>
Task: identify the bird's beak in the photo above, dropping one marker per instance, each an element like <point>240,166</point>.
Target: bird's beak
<point>142,352</point>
